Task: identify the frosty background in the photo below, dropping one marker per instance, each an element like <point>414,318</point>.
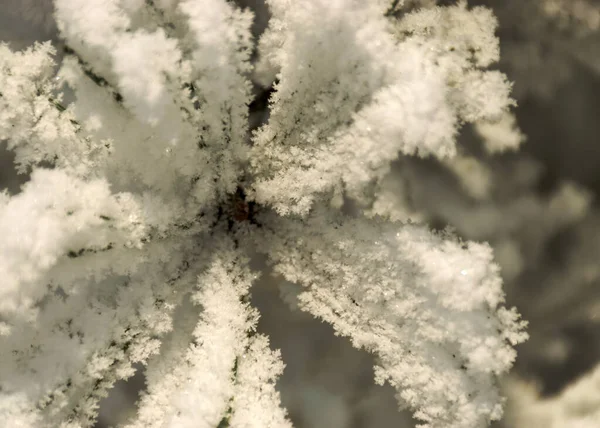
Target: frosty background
<point>537,207</point>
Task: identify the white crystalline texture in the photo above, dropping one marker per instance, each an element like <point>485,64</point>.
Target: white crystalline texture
<point>56,216</point>
<point>147,194</point>
<point>427,305</point>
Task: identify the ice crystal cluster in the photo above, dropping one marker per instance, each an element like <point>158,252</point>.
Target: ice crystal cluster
<point>150,191</point>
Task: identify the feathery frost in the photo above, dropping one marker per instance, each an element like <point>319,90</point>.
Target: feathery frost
<point>148,193</point>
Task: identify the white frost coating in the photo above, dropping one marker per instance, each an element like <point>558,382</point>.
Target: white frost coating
<point>98,22</point>
<point>256,402</point>
<point>141,65</point>
<point>428,306</point>
<point>35,128</point>
<point>398,120</point>
<point>137,62</point>
<point>193,385</point>
<point>220,336</point>
<point>57,215</point>
<point>353,97</point>
<point>17,409</point>
<point>333,57</point>
<point>196,106</point>
<point>221,44</point>
<point>160,118</point>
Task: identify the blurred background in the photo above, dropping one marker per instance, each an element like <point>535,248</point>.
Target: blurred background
<point>538,207</point>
